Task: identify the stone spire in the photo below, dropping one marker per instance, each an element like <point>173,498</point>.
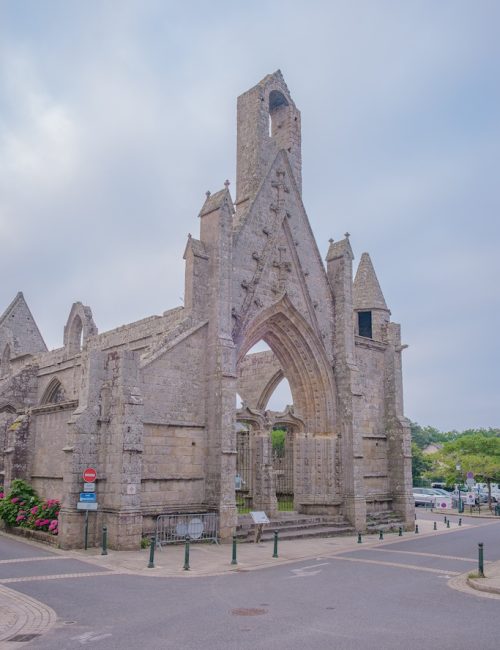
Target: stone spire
<point>367,293</point>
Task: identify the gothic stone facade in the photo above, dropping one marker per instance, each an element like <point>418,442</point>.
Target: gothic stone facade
<point>151,405</point>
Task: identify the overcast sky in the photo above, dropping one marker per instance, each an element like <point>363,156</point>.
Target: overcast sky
<point>116,117</point>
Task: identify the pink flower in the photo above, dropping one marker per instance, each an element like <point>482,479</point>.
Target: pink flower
<point>1,495</point>
<point>20,517</point>
<point>53,524</point>
<point>37,522</point>
<point>14,500</point>
<point>34,510</point>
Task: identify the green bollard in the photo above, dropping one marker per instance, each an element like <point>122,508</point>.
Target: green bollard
<point>400,534</point>
<point>151,563</point>
<point>104,540</point>
<point>186,554</point>
<point>233,560</point>
<point>447,523</point>
<point>275,550</point>
<point>381,535</point>
<point>416,529</point>
<point>435,527</point>
<point>481,560</point>
<point>460,521</point>
<point>359,538</point>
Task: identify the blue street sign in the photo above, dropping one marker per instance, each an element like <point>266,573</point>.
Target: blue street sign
<point>88,497</point>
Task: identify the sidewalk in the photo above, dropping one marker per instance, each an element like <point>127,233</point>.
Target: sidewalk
<point>22,614</point>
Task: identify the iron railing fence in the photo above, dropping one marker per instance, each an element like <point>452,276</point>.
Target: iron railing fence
<point>198,526</point>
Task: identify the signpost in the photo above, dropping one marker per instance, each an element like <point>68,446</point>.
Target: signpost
<point>88,498</point>
<point>89,475</point>
<point>259,519</point>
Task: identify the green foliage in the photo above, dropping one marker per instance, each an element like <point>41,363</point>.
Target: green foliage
<point>424,436</point>
<point>145,542</point>
<point>477,452</point>
<point>420,463</point>
<point>17,502</point>
<point>22,507</point>
<point>278,441</point>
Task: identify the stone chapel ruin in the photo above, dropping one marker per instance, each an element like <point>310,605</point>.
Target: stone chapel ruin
<point>152,405</point>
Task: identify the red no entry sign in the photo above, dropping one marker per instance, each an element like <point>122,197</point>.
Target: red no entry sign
<point>89,475</point>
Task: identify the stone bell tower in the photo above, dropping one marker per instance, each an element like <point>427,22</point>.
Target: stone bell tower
<point>268,121</point>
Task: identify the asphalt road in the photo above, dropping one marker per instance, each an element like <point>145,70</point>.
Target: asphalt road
<point>393,598</point>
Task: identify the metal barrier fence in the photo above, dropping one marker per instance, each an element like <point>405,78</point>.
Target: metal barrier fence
<point>200,527</point>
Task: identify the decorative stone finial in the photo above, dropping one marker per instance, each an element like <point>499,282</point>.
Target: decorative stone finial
<point>347,235</point>
<point>226,184</point>
<point>207,194</point>
<point>330,240</point>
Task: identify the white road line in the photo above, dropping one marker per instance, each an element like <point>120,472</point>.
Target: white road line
<point>395,564</point>
<point>37,559</point>
<point>444,557</point>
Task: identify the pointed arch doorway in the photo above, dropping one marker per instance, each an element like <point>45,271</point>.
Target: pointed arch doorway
<point>284,466</point>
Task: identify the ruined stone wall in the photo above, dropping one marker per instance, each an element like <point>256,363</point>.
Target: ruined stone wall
<point>173,470</point>
<point>48,432</point>
<point>174,384</point>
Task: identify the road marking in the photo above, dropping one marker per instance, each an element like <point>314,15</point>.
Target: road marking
<point>37,559</point>
<point>57,576</point>
<point>311,566</point>
<point>90,637</point>
<point>444,557</point>
<point>395,564</point>
<point>308,571</point>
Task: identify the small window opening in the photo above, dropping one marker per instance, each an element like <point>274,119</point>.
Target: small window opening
<point>365,324</point>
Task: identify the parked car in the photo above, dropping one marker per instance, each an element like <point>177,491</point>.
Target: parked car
<point>424,496</point>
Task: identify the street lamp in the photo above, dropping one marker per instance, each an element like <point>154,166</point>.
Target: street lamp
<point>458,467</point>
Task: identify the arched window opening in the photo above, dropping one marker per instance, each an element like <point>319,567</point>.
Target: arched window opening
<point>54,393</point>
<point>278,106</point>
<point>281,397</point>
<point>75,336</point>
<point>5,361</point>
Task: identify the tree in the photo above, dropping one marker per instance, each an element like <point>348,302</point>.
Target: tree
<point>478,453</point>
<point>420,463</point>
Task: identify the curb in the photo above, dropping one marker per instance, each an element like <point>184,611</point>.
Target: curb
<point>479,586</point>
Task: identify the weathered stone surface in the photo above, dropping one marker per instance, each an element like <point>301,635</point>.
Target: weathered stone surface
<point>151,404</point>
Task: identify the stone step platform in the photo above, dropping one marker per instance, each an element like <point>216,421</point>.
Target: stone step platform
<point>294,526</point>
<point>386,520</point>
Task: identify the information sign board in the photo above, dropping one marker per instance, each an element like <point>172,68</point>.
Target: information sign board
<point>88,497</point>
<point>259,517</point>
<point>83,505</point>
<point>89,487</point>
<point>470,499</point>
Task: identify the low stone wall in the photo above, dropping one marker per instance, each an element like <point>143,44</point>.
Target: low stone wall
<point>36,535</point>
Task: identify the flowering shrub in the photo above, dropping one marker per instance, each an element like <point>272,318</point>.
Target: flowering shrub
<point>21,506</point>
<point>43,516</point>
<point>18,499</point>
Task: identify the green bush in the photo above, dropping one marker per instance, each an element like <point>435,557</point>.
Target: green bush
<point>22,507</point>
<point>17,502</point>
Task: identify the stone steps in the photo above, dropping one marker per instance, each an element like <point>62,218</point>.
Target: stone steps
<point>294,527</point>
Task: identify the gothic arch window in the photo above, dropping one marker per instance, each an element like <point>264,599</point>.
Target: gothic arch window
<point>75,335</point>
<point>54,393</point>
<point>5,361</point>
<point>277,111</point>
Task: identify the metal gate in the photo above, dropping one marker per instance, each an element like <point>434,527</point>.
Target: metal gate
<point>282,446</point>
<point>243,479</point>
